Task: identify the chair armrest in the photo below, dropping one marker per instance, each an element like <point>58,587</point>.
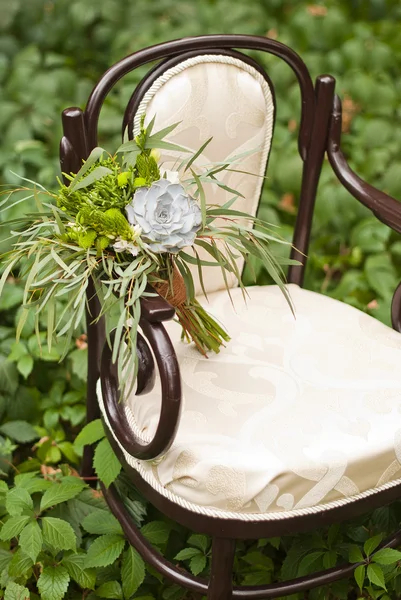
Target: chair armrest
<point>171,393</point>
<point>383,206</point>
<point>156,309</point>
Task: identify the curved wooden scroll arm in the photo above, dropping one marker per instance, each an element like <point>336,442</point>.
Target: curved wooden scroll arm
<point>154,310</point>
<point>384,207</point>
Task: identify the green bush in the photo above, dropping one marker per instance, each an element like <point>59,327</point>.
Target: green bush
<point>53,543</point>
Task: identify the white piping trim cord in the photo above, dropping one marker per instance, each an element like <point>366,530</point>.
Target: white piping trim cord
<point>147,476</point>
<point>227,60</point>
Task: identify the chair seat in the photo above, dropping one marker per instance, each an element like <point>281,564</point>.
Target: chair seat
<point>295,413</point>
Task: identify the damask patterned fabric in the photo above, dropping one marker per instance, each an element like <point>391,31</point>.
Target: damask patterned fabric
<point>224,98</point>
<point>295,412</point>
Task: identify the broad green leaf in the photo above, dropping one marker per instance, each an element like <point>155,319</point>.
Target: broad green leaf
<point>371,544</point>
<point>306,564</point>
<point>25,365</point>
<point>381,274</point>
<point>110,589</point>
<point>53,583</point>
<point>199,541</point>
<point>156,532</point>
<point>18,501</point>
<point>359,574</point>
<point>8,376</point>
<point>31,540</point>
<point>104,551</point>
<point>132,571</point>
<point>375,575</point>
<point>106,463</point>
<point>19,564</point>
<point>100,522</point>
<point>197,564</point>
<point>386,556</point>
<point>370,236</point>
<point>20,431</point>
<point>5,558</point>
<point>188,553</point>
<point>91,433</point>
<point>75,565</point>
<point>13,527</point>
<point>58,534</point>
<point>14,591</point>
<point>258,559</point>
<point>355,555</point>
<point>87,501</point>
<point>60,492</point>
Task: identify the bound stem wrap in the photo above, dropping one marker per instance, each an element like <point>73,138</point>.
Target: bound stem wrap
<point>176,293</point>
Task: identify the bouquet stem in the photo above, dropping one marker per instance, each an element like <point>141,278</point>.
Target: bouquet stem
<point>197,324</point>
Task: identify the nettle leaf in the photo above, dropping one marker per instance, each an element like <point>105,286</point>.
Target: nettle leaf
<point>110,589</point>
<point>85,503</point>
<point>106,463</point>
<point>5,558</point>
<point>91,433</point>
<point>60,492</point>
<point>13,527</point>
<point>101,522</point>
<point>386,556</point>
<point>104,551</point>
<point>132,572</point>
<point>8,376</point>
<point>20,431</point>
<point>156,532</point>
<point>19,564</point>
<point>58,534</point>
<point>16,592</point>
<point>18,501</point>
<point>75,565</point>
<point>31,483</point>
<point>31,540</point>
<point>53,583</point>
<point>376,575</point>
<point>197,564</point>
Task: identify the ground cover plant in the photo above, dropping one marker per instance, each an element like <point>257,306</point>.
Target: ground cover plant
<point>52,542</point>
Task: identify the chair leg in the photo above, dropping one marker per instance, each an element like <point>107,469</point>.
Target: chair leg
<point>221,575</point>
<point>96,340</point>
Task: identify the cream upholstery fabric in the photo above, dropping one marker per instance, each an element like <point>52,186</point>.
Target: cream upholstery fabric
<point>221,97</point>
<point>294,415</point>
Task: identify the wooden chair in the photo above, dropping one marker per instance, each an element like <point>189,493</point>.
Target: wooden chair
<point>281,453</point>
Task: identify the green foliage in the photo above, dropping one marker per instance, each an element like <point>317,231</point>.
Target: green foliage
<point>58,538</point>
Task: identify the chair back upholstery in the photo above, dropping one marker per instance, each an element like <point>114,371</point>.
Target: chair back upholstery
<point>225,97</point>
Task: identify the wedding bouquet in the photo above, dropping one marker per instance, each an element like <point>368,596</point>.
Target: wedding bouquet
<point>133,228</point>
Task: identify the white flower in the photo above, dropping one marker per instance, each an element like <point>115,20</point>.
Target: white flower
<point>171,176</point>
<point>124,246</point>
<point>169,218</point>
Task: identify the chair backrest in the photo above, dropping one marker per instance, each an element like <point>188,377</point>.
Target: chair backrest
<point>217,91</point>
<point>225,96</point>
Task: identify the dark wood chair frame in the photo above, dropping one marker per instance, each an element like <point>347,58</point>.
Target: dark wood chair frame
<point>319,133</point>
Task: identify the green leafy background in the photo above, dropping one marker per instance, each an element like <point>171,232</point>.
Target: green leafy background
<point>58,538</point>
